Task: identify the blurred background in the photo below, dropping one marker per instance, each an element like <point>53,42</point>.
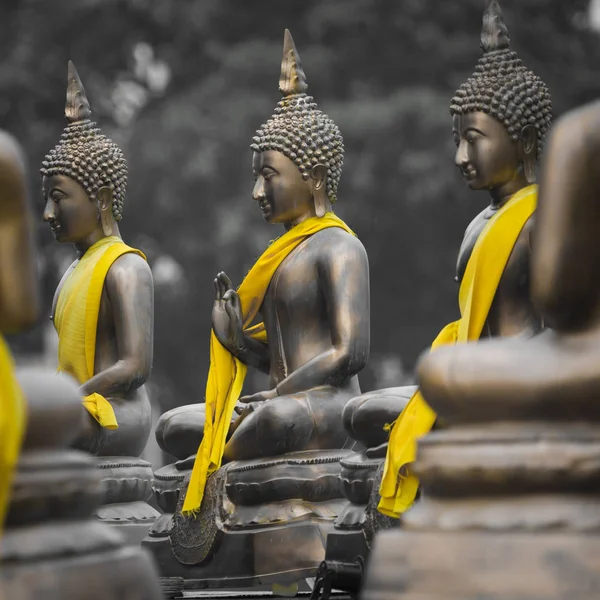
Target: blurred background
<point>182,85</point>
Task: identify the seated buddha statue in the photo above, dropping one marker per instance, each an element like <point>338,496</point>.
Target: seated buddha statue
<point>500,116</point>
<point>301,315</point>
<point>103,306</point>
<point>310,287</point>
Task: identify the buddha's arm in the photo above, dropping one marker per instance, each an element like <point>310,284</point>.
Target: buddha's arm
<point>513,312</point>
<point>130,292</point>
<point>344,279</point>
<point>254,354</point>
<point>18,288</point>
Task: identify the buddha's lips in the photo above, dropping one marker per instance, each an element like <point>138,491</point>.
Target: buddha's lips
<point>468,173</point>
<point>54,227</point>
<point>264,205</point>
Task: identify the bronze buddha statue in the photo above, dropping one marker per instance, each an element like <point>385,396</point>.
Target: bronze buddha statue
<point>84,184</point>
<point>500,117</point>
<point>316,307</point>
<point>311,290</point>
<point>510,507</point>
<point>50,546</point>
<point>103,306</point>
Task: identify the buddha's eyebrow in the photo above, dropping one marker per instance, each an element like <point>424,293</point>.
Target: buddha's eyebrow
<point>475,130</point>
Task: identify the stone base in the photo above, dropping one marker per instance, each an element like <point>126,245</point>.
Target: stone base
<point>132,519</point>
<point>282,555</point>
<point>98,575</point>
<point>247,542</point>
<point>127,483</point>
<point>478,565</point>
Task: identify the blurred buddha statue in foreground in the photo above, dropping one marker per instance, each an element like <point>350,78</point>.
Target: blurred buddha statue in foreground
<point>103,306</point>
<point>18,303</point>
<point>311,289</point>
<point>500,116</point>
<point>510,507</point>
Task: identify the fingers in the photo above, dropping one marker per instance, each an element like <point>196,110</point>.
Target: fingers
<point>231,312</point>
<point>239,409</point>
<point>245,399</point>
<point>226,281</point>
<point>217,286</point>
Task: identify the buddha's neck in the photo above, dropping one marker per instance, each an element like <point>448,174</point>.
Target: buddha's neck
<point>309,214</point>
<point>503,193</point>
<point>95,236</point>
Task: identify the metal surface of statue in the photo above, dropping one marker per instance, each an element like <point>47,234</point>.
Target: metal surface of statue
<point>103,309</point>
<point>500,116</point>
<point>281,454</point>
<point>50,547</point>
<point>510,499</point>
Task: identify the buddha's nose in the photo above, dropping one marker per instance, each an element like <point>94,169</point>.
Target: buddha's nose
<point>258,193</point>
<point>462,156</point>
<point>49,213</point>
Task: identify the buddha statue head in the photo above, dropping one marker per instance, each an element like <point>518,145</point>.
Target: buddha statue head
<point>84,175</point>
<point>500,114</point>
<point>298,152</point>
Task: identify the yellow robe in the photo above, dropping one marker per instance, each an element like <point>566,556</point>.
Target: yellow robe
<point>13,416</point>
<point>226,374</point>
<point>477,290</point>
<point>76,320</point>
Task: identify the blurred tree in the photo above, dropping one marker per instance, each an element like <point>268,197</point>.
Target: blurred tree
<point>182,85</point>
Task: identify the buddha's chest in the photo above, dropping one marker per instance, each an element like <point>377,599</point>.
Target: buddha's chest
<point>295,296</point>
<point>469,240</point>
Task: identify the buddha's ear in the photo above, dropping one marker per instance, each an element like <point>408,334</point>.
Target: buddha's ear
<point>318,178</point>
<point>318,175</point>
<point>104,197</point>
<point>528,144</point>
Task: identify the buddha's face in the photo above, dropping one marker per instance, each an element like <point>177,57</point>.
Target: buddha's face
<point>486,154</point>
<point>282,194</point>
<point>68,210</point>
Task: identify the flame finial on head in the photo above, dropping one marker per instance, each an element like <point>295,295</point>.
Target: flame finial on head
<point>494,33</point>
<point>77,107</point>
<point>292,79</point>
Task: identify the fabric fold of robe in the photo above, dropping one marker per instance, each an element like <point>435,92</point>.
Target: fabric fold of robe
<point>226,373</point>
<point>76,320</point>
<point>13,417</point>
<point>477,290</point>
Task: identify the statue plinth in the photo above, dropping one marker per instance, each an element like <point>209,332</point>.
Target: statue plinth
<point>509,510</point>
<point>350,543</point>
<point>262,521</point>
<point>52,547</point>
<point>127,485</point>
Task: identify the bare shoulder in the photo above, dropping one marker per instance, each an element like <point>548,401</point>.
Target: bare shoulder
<point>129,270</point>
<point>338,245</point>
<point>527,231</point>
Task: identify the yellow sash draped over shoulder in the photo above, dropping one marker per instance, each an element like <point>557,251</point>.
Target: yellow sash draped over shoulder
<point>76,320</point>
<point>477,290</point>
<point>13,416</point>
<point>226,374</point>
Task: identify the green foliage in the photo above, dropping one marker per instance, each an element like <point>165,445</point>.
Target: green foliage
<point>384,70</point>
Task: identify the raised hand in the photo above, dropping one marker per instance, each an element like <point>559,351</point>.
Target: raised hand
<point>227,319</point>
